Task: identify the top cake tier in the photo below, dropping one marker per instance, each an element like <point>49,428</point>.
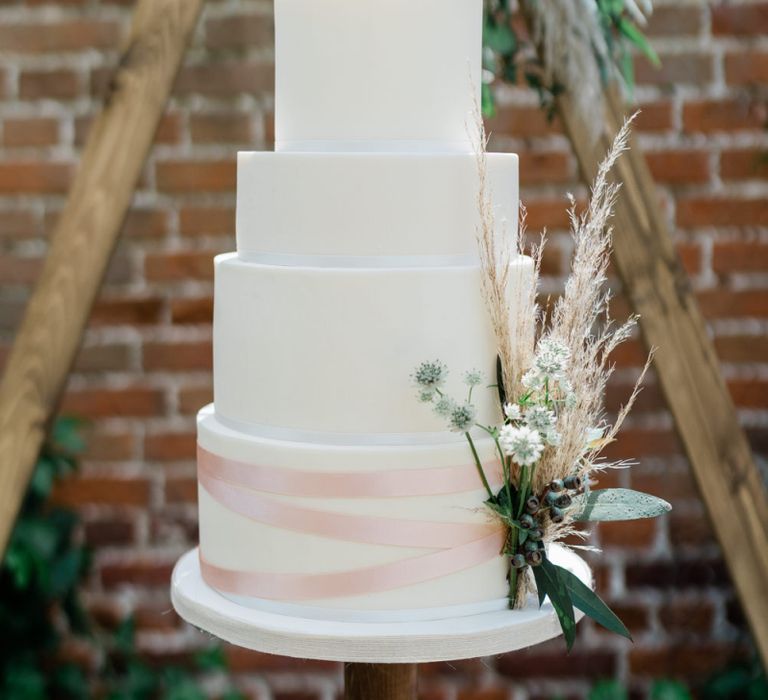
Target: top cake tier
<point>376,75</point>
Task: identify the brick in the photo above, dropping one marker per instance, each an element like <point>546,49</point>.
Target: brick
<point>675,21</point>
<point>16,270</point>
<point>679,167</point>
<point>111,357</point>
<point>193,398</point>
<point>34,177</point>
<point>745,164</point>
<point>127,311</point>
<point>170,447</point>
<point>550,214</point>
<point>81,490</point>
<point>740,257</point>
<point>29,132</point>
<point>533,663</point>
<point>98,403</point>
<point>710,116</point>
<point>676,69</point>
<point>192,311</point>
<point>58,37</point>
<point>240,31</point>
<point>178,356</point>
<point>693,616</point>
<point>146,223</point>
<point>19,223</point>
<point>749,393</point>
<point>103,446</point>
<point>746,68</point>
<point>717,303</point>
<point>109,532</point>
<point>485,694</point>
<point>544,167</point>
<point>636,618</point>
<point>181,491</point>
<point>169,130</point>
<point>523,122</point>
<point>241,660</point>
<point>721,211</point>
<point>740,19</point>
<point>690,257</point>
<point>677,575</point>
<point>225,79</point>
<point>197,176</point>
<point>638,534</point>
<point>742,348</point>
<point>137,572</point>
<point>690,530</point>
<point>207,221</point>
<point>685,660</point>
<point>673,485</point>
<point>175,267</point>
<point>639,442</point>
<point>60,84</point>
<point>221,128</point>
<point>654,116</point>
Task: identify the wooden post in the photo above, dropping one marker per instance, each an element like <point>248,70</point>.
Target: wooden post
<point>380,681</point>
<point>85,238</point>
<point>687,366</point>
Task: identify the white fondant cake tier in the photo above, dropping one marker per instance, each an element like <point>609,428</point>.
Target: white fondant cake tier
<point>232,541</point>
<point>341,206</point>
<point>421,59</point>
<point>331,350</point>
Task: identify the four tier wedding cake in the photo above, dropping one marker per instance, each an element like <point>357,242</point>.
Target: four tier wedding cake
<point>326,491</point>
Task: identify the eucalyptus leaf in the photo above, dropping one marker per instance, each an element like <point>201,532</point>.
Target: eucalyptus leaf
<point>549,583</point>
<point>608,690</point>
<point>618,504</point>
<point>586,600</point>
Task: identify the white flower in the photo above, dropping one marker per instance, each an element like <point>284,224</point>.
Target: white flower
<point>540,418</point>
<point>553,438</point>
<point>426,395</point>
<point>430,375</point>
<point>512,411</point>
<point>522,444</point>
<point>462,417</point>
<point>532,380</point>
<point>551,358</point>
<point>444,406</point>
<point>473,377</point>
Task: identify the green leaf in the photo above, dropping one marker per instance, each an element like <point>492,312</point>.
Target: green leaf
<point>586,600</point>
<point>632,33</point>
<point>619,504</point>
<point>211,659</point>
<point>669,690</point>
<point>608,690</point>
<point>549,583</point>
<point>500,38</point>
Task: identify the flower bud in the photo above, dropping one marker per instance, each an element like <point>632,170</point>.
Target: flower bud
<point>536,535</point>
<point>527,521</point>
<point>564,501</point>
<point>556,515</point>
<point>556,485</point>
<point>534,558</point>
<point>518,561</point>
<point>532,505</point>
<point>573,483</point>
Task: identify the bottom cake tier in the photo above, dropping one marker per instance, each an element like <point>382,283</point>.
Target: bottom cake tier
<point>350,532</point>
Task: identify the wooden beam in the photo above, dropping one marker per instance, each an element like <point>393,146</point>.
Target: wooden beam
<point>687,366</point>
<point>380,681</point>
<point>85,237</point>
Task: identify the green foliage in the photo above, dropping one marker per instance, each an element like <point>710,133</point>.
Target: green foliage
<point>738,681</point>
<point>39,605</point>
<point>619,504</point>
<point>507,56</point>
<point>608,690</point>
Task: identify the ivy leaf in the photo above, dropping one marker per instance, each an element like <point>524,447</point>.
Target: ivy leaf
<point>618,504</point>
<point>549,583</point>
<point>586,600</point>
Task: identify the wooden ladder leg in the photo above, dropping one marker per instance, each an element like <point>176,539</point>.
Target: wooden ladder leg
<point>380,681</point>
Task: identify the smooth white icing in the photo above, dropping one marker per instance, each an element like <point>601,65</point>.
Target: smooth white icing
<point>339,206</point>
<point>332,350</point>
<point>362,75</point>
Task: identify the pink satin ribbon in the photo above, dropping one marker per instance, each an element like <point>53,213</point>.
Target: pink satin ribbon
<point>236,486</point>
<point>393,483</point>
<point>374,579</point>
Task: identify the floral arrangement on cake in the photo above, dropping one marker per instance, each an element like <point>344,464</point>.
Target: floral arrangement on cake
<point>552,373</point>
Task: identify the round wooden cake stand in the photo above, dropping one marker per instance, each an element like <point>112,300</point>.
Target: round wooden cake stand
<point>380,657</point>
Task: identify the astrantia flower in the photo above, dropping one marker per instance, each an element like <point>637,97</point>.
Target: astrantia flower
<point>512,411</point>
<point>523,444</point>
<point>553,438</point>
<point>551,358</point>
<point>430,375</point>
<point>427,395</point>
<point>540,418</point>
<point>533,380</point>
<point>473,377</point>
<point>462,417</point>
<point>444,406</point>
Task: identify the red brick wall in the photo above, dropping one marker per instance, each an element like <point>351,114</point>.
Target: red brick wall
<point>145,366</point>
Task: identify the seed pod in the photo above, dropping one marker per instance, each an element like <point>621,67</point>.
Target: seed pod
<point>518,561</point>
<point>527,521</point>
<point>536,535</point>
<point>551,497</point>
<point>573,483</point>
<point>534,558</point>
<point>532,505</point>
<point>556,515</point>
<point>531,545</point>
<point>556,485</point>
<point>564,501</point>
